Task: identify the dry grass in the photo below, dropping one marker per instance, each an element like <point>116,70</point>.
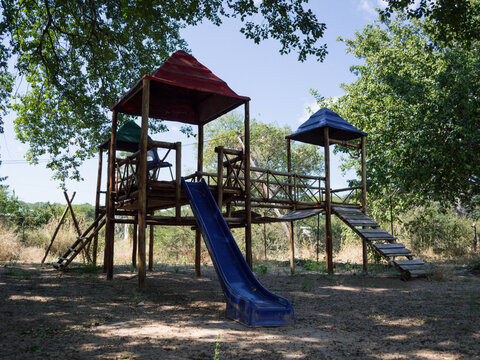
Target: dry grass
<point>444,272</point>
<point>10,246</point>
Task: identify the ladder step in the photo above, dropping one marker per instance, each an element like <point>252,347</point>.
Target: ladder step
<point>62,258</point>
<point>56,265</point>
<point>409,262</point>
<point>389,246</point>
<point>418,272</point>
<point>370,223</point>
<point>71,249</point>
<point>395,252</point>
<point>343,210</point>
<point>375,233</point>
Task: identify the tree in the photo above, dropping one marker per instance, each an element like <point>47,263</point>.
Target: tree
<point>420,104</point>
<point>451,21</point>
<point>78,57</point>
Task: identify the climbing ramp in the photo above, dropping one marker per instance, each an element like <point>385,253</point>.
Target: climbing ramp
<point>381,241</point>
<point>83,240</point>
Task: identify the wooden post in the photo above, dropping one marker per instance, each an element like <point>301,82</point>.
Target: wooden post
<point>178,180</point>
<point>150,249</point>
<point>97,205</point>
<point>110,216</point>
<point>364,175</point>
<point>220,178</point>
<point>291,237</point>
<point>134,243</point>
<point>248,193</point>
<point>75,222</point>
<point>474,237</point>
<point>292,249</point>
<point>198,234</point>
<point>57,229</point>
<point>364,200</point>
<point>142,186</point>
<point>328,205</point>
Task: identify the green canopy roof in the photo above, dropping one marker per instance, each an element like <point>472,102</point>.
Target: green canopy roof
<point>128,137</point>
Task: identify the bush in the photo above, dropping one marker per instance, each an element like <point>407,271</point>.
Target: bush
<point>438,229</point>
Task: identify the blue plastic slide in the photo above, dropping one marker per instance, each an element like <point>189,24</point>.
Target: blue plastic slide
<point>248,302</point>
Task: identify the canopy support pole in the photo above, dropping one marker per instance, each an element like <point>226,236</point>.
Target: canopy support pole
<point>248,190</point>
<point>198,234</point>
<point>290,229</point>
<point>328,204</point>
<point>97,205</point>
<point>364,199</point>
<point>142,186</point>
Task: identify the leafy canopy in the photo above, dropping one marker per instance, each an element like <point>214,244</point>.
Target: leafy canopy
<point>78,57</point>
<point>451,21</point>
<point>420,104</point>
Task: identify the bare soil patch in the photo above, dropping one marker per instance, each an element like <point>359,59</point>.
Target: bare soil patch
<point>47,314</point>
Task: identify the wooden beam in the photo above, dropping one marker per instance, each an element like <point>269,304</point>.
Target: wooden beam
<point>75,222</point>
<point>57,229</point>
<point>364,175</point>
<point>198,234</point>
<point>344,143</point>
<point>178,180</point>
<point>248,190</point>
<point>142,185</point>
<point>290,229</point>
<point>97,205</point>
<point>328,204</point>
<point>135,243</point>
<point>110,215</point>
<point>292,249</point>
<point>364,199</point>
<point>220,177</point>
<point>150,249</point>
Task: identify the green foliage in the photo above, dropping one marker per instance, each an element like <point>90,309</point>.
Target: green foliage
<point>451,20</point>
<point>216,355</point>
<point>439,229</point>
<point>78,57</point>
<point>260,269</point>
<point>420,104</point>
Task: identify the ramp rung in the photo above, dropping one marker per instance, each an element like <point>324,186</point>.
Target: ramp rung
<point>409,262</point>
<point>418,272</point>
<point>362,223</point>
<point>389,246</point>
<point>342,210</point>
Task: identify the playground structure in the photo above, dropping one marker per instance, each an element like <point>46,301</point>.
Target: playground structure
<point>184,90</point>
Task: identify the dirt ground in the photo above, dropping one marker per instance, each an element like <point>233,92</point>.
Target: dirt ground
<point>47,314</point>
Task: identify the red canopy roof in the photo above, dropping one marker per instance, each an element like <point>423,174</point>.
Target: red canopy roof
<point>182,90</point>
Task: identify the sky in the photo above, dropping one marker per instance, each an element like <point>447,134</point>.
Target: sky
<point>278,85</point>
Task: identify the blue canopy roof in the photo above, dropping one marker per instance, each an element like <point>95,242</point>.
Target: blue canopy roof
<point>311,131</point>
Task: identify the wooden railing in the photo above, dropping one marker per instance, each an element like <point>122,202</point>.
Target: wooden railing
<point>126,184</point>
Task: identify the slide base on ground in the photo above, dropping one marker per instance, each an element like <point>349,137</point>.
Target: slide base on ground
<point>248,302</point>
